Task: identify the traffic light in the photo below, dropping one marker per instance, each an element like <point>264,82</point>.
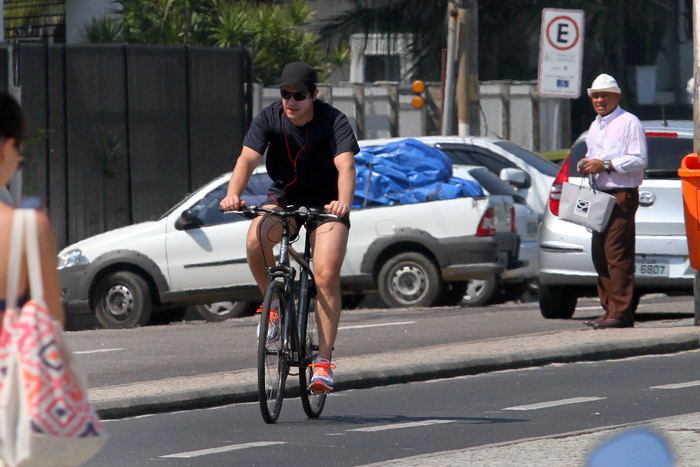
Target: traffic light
<point>418,87</point>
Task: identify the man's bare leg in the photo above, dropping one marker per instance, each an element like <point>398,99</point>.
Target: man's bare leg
<point>329,242</point>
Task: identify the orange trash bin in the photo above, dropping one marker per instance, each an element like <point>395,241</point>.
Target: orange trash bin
<point>690,180</point>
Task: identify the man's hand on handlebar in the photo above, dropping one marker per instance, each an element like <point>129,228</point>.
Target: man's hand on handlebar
<point>232,203</point>
<point>337,208</point>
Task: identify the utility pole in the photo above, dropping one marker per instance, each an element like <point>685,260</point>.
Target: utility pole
<point>448,103</point>
<point>468,77</point>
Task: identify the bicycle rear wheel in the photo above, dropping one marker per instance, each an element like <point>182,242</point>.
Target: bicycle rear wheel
<point>312,402</point>
<point>272,360</point>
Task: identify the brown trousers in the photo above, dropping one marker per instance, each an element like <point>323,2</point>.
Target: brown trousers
<point>613,256</point>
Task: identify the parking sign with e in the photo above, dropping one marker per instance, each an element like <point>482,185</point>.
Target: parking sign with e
<point>561,53</point>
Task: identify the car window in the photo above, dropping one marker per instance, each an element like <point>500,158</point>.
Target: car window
<point>494,185</point>
<point>540,164</point>
<point>207,208</point>
<point>665,156</point>
<point>477,156</point>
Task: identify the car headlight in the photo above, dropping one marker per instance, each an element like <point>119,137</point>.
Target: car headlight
<point>71,259</point>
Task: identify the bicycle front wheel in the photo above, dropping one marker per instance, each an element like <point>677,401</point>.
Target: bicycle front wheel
<point>272,359</point>
<point>312,402</point>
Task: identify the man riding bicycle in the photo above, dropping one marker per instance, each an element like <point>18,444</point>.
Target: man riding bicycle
<point>310,158</point>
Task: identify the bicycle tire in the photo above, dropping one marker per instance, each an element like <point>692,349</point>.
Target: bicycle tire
<point>311,402</point>
<point>272,360</point>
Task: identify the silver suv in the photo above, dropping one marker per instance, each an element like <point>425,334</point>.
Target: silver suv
<point>662,264</point>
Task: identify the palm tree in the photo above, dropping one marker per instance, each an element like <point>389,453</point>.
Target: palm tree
<point>278,32</point>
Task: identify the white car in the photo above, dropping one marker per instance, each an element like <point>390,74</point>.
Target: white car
<point>511,283</point>
<point>496,155</point>
<point>419,254</point>
<point>661,262</point>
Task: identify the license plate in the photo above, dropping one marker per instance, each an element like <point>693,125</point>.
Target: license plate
<point>645,267</point>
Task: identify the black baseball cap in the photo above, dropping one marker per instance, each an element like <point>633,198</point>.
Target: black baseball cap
<point>299,75</point>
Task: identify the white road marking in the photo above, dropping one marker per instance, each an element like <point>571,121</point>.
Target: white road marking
<point>544,405</point>
<point>689,384</point>
<point>363,326</point>
<point>232,447</point>
<point>83,352</point>
<point>398,426</point>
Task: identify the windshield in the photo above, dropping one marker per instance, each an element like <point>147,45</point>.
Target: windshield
<point>255,192</point>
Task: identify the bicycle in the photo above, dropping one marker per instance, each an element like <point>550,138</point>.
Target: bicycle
<point>297,342</point>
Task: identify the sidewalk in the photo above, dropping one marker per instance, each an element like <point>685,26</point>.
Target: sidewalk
<point>414,365</point>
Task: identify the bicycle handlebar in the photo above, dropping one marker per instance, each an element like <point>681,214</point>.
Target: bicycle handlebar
<point>250,212</point>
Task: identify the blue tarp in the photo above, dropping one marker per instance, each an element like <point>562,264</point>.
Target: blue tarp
<point>406,172</point>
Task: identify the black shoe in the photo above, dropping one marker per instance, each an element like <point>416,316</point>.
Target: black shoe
<point>613,323</point>
<point>593,322</point>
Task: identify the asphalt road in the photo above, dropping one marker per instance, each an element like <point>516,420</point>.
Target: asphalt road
<point>395,422</point>
<point>111,357</point>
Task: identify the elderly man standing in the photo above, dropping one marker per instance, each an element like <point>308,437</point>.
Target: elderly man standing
<point>617,157</point>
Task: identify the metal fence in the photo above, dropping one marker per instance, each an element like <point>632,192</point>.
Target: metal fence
<point>119,133</point>
<point>509,110</point>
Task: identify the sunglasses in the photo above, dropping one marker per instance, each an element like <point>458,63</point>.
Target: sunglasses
<point>297,96</point>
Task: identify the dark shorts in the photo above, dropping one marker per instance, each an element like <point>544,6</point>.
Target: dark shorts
<point>312,225</point>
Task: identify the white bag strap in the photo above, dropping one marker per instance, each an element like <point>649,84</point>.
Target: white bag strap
<point>14,264</point>
<point>36,281</point>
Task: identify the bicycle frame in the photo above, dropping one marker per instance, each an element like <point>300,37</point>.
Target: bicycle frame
<point>293,318</point>
<point>296,345</point>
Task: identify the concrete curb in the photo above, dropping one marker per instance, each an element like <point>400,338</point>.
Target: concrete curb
<point>387,368</point>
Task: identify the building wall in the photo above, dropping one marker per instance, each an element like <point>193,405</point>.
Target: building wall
<point>81,12</point>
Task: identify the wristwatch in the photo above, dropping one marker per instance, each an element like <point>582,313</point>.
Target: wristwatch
<point>607,166</point>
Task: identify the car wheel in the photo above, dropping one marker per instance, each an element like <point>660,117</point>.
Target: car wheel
<point>221,311</point>
<point>557,302</point>
<point>453,293</point>
<point>481,292</point>
<point>122,300</point>
<point>409,280</point>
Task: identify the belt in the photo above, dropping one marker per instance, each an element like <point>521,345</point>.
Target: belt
<point>612,191</point>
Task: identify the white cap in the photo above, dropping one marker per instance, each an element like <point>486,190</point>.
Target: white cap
<point>604,83</point>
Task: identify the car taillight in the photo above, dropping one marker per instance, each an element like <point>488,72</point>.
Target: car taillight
<point>555,190</point>
<point>487,226</point>
<point>661,134</point>
<point>513,227</point>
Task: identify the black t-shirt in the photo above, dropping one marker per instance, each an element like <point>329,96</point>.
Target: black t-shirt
<point>300,159</point>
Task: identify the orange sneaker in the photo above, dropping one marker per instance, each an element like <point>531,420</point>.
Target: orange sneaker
<point>322,379</point>
<point>273,333</point>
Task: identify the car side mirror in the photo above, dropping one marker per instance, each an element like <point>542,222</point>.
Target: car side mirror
<point>515,177</point>
<point>187,220</point>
